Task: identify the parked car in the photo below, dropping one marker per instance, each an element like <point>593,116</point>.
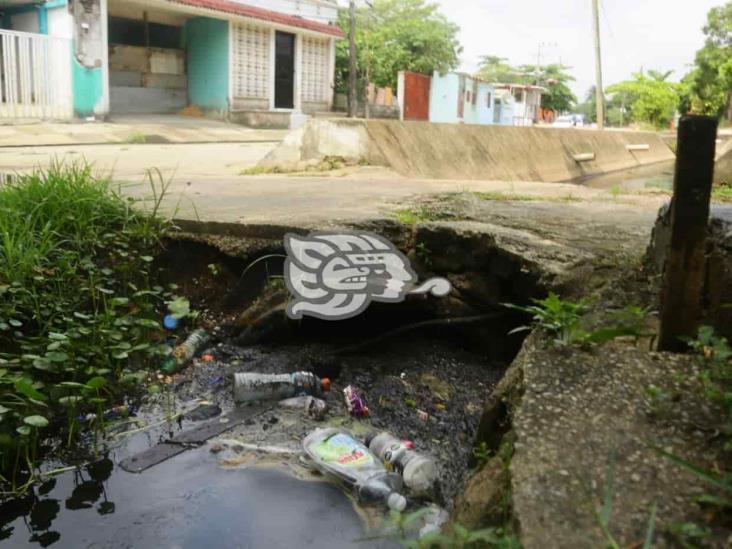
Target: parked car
<point>570,121</point>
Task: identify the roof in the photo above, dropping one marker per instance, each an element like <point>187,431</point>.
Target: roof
<point>235,8</point>
<point>521,86</point>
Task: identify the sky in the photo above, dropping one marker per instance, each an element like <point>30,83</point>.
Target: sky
<point>653,34</point>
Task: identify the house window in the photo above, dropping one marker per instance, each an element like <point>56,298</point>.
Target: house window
<point>518,95</point>
<point>132,32</point>
<point>489,100</point>
<point>251,61</point>
<point>315,77</point>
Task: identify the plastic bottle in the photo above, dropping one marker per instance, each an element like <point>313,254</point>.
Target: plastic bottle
<point>418,471</point>
<point>185,351</point>
<point>336,452</point>
<point>251,387</point>
<point>314,407</point>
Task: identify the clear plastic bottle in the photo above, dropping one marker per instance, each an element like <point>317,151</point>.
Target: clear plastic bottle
<point>418,471</point>
<point>337,452</point>
<point>252,387</point>
<point>314,407</point>
<point>185,351</point>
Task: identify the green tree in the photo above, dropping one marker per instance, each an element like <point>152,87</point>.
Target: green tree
<point>706,89</point>
<point>589,106</point>
<point>396,35</point>
<point>497,69</point>
<point>651,100</point>
<point>554,77</point>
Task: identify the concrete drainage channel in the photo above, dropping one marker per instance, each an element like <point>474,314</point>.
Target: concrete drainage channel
<point>426,368</point>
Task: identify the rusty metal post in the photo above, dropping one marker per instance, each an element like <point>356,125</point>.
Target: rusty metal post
<point>681,295</point>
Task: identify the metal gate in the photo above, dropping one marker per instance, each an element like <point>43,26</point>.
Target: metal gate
<point>35,76</point>
<point>416,96</point>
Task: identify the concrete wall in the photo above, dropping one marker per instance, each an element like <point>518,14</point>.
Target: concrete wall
<point>723,167</point>
<point>461,151</point>
<point>208,63</point>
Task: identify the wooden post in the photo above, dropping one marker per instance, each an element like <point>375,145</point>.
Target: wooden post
<point>683,281</point>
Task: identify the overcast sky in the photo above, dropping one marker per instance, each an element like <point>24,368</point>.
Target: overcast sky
<point>654,34</point>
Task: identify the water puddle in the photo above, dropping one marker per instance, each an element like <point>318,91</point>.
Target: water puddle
<point>656,176</point>
<point>187,501</point>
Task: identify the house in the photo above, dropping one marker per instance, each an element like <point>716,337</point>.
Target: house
<point>522,100</point>
<point>457,98</point>
<point>260,62</point>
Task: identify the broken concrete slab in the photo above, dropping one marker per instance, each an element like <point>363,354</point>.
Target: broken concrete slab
<point>718,289</point>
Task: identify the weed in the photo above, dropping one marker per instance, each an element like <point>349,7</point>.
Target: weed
<point>722,193</point>
<point>452,536</point>
<point>512,196</point>
<point>604,513</point>
<point>557,317</point>
<point>616,190</point>
<point>482,454</point>
<point>424,254</point>
<point>659,401</point>
<point>689,535</point>
<point>628,322</point>
<point>136,138</point>
<point>78,309</point>
<point>716,375</point>
<point>418,214</point>
<point>262,170</point>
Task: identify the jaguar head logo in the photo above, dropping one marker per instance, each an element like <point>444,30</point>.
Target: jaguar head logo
<point>336,276</point>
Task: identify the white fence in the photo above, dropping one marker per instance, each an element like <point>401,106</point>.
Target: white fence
<point>35,76</point>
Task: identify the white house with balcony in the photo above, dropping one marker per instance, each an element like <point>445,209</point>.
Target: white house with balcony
<point>261,62</point>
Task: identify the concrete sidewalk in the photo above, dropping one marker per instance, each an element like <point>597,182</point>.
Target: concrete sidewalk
<point>133,129</point>
<point>369,194</point>
<point>129,162</point>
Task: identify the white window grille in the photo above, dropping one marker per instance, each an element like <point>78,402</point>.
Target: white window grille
<point>315,77</point>
<point>251,61</point>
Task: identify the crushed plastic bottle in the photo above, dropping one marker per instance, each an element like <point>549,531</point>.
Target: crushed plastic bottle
<point>314,407</point>
<point>252,387</point>
<point>418,471</point>
<point>185,352</point>
<point>337,453</point>
<point>355,402</point>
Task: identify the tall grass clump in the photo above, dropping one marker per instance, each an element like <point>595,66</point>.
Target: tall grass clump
<point>78,306</point>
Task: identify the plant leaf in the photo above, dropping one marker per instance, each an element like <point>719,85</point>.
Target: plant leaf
<point>36,421</point>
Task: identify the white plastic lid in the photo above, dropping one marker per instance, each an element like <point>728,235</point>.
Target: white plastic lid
<point>396,502</point>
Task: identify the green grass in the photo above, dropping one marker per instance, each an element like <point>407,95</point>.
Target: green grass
<point>79,308</point>
<point>503,196</point>
<point>418,214</point>
<point>262,170</point>
<point>722,193</point>
<point>136,139</point>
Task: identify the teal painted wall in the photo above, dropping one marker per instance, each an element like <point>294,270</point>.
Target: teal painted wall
<point>88,88</point>
<point>207,43</point>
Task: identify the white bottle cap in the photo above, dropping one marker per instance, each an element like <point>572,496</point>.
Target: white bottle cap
<point>396,502</point>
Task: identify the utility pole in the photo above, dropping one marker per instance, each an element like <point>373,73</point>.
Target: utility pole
<point>599,90</point>
<point>352,66</point>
